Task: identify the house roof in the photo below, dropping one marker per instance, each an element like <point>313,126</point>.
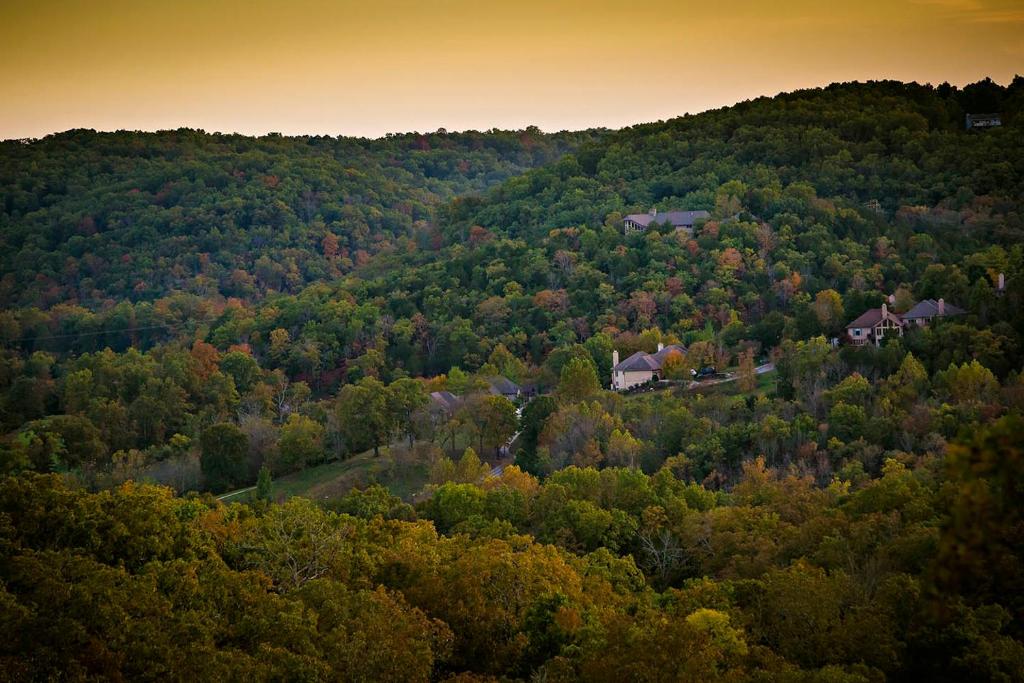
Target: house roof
<point>676,218</point>
<point>642,361</point>
<point>929,308</point>
<point>503,385</point>
<point>660,356</point>
<point>445,399</point>
<point>639,361</point>
<point>868,318</point>
<point>872,317</point>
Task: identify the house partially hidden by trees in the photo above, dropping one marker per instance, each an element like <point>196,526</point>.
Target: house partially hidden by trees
<point>641,367</point>
<point>982,121</point>
<point>680,220</point>
<point>444,402</point>
<point>873,325</point>
<point>503,386</point>
<point>924,311</point>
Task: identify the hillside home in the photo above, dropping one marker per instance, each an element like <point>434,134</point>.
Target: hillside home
<point>982,121</point>
<point>444,402</point>
<point>680,220</point>
<point>641,367</point>
<point>503,386</point>
<point>873,325</point>
<point>924,311</point>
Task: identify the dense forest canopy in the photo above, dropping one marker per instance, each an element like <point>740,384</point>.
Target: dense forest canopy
<point>394,357</point>
<point>887,143</point>
<point>98,217</point>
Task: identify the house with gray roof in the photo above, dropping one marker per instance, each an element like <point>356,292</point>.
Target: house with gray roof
<point>503,386</point>
<point>680,220</point>
<point>924,311</point>
<point>983,121</point>
<point>641,367</point>
<point>873,325</point>
<point>444,402</point>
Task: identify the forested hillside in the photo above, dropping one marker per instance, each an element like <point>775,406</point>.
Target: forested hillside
<point>94,218</point>
<point>885,144</point>
<point>208,313</point>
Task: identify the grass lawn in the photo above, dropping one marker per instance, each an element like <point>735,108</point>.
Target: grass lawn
<point>330,480</point>
<point>765,385</point>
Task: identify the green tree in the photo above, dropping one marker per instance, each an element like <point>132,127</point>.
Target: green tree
<point>560,357</point>
<point>578,381</point>
<point>910,382</point>
<point>241,367</point>
<point>601,347</point>
<point>67,441</point>
<point>971,383</point>
<point>405,397</point>
<point>223,451</point>
<point>453,503</point>
<point>846,421</point>
<point>300,444</point>
<point>363,416</point>
<point>534,417</point>
<point>623,449</point>
<point>853,389</point>
<point>469,469</point>
<point>496,421</point>
<point>373,501</point>
<point>264,486</point>
<point>79,391</point>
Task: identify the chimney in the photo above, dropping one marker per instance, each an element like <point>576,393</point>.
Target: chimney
<point>942,307</point>
<point>660,346</point>
<point>885,310</point>
<point>654,211</point>
<point>1002,282</point>
<point>615,358</point>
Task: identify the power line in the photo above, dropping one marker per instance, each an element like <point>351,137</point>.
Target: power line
<point>91,334</point>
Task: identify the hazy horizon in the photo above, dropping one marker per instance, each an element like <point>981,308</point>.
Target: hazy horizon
<point>448,129</point>
<point>344,68</point>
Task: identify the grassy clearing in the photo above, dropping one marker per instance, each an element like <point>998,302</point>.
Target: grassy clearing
<point>765,385</point>
<point>396,471</point>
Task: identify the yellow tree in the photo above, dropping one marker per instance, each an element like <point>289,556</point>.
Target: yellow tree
<point>747,371</point>
<point>674,366</point>
<point>623,449</point>
<point>828,308</point>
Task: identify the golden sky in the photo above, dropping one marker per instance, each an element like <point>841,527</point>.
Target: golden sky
<point>376,66</point>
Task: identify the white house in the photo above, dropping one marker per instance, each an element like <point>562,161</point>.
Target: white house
<point>641,366</point>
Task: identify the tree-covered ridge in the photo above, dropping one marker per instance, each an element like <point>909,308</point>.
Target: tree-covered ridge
<point>793,250</point>
<point>886,144</point>
<point>744,284</point>
<point>97,217</point>
<point>942,221</point>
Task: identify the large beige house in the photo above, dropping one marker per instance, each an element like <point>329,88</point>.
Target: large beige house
<point>680,220</point>
<point>874,325</point>
<point>641,367</point>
